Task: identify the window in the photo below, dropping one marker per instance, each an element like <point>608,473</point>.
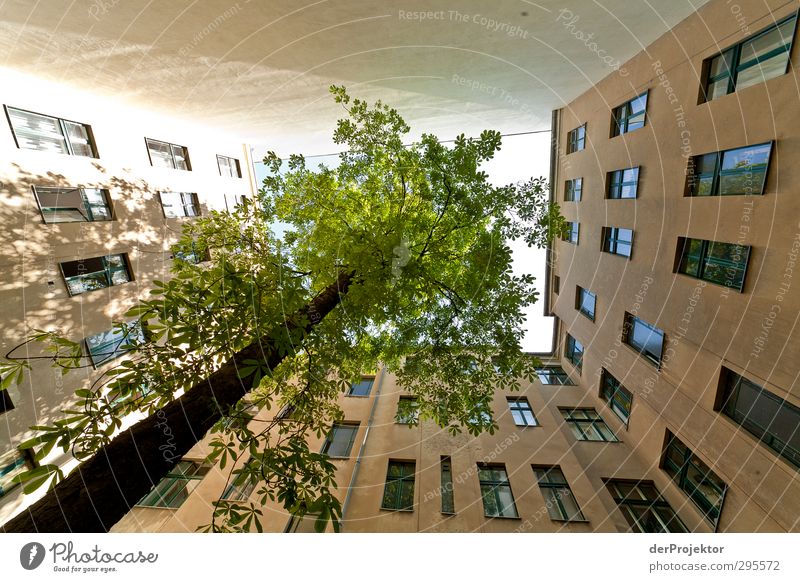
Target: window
<point>716,262</point>
<point>643,507</point>
<point>107,345</point>
<point>176,486</point>
<point>770,418</point>
<point>498,500</point>
<point>585,302</point>
<point>646,339</point>
<point>617,241</point>
<point>587,425</point>
<point>361,388</point>
<point>759,58</point>
<point>558,498</point>
<point>241,485</point>
<point>178,204</point>
<point>554,375</point>
<point>618,397</point>
<point>556,283</point>
<point>694,477</point>
<point>522,412</point>
<point>234,200</point>
<point>573,190</point>
<point>229,167</point>
<point>192,255</point>
<point>96,273</point>
<point>623,183</point>
<point>33,131</point>
<point>119,397</point>
<point>629,116</point>
<point>167,155</point>
<point>6,403</point>
<point>407,411</point>
<point>13,463</point>
<point>398,493</point>
<point>574,352</point>
<point>576,139</point>
<point>340,440</point>
<point>738,172</point>
<point>448,505</point>
<point>73,204</point>
<point>573,229</point>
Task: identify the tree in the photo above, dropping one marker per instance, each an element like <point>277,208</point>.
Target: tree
<point>399,255</point>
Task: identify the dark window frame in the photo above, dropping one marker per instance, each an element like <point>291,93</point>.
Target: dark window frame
<point>364,379</point>
<point>331,438</point>
<point>654,506</point>
<point>185,149</point>
<point>611,242</point>
<point>573,190</point>
<point>193,202</point>
<point>588,417</point>
<point>618,398</point>
<point>628,326</point>
<point>405,479</point>
<point>554,371</point>
<point>22,461</point>
<point>127,342</point>
<point>717,174</point>
<point>108,271</point>
<point>621,115</point>
<point>173,479</point>
<point>548,482</point>
<point>446,485</point>
<point>241,485</point>
<point>679,472</point>
<point>728,393</point>
<point>579,302</point>
<point>64,132</point>
<point>573,236</point>
<point>229,159</point>
<point>571,348</point>
<point>413,417</point>
<point>615,183</point>
<point>492,485</point>
<point>735,66</point>
<point>704,261</point>
<point>87,206</point>
<point>575,141</point>
<point>522,405</point>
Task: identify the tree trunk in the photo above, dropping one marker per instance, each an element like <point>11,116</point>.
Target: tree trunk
<point>100,491</point>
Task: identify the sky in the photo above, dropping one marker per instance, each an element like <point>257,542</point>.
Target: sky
<point>520,158</point>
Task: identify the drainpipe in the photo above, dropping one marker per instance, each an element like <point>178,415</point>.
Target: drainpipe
<point>362,449</point>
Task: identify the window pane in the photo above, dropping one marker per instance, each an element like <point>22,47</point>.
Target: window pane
<point>361,388</point>
<point>172,203</point>
<point>79,140</point>
<point>179,154</point>
<point>505,499</point>
<point>744,170</point>
<point>37,132</point>
<point>160,154</point>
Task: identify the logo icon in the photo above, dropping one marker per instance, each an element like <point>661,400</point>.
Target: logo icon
<point>31,555</point>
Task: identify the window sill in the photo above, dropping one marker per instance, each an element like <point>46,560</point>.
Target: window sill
<point>570,520</point>
<point>393,510</point>
<point>356,396</point>
<point>502,517</point>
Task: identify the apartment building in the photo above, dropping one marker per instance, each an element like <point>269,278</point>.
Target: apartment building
<point>92,193</point>
<point>675,285</point>
<point>670,400</point>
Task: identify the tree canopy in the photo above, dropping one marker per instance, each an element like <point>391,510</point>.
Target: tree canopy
<point>398,255</point>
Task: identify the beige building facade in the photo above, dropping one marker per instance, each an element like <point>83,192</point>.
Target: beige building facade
<point>670,400</point>
<point>92,195</point>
